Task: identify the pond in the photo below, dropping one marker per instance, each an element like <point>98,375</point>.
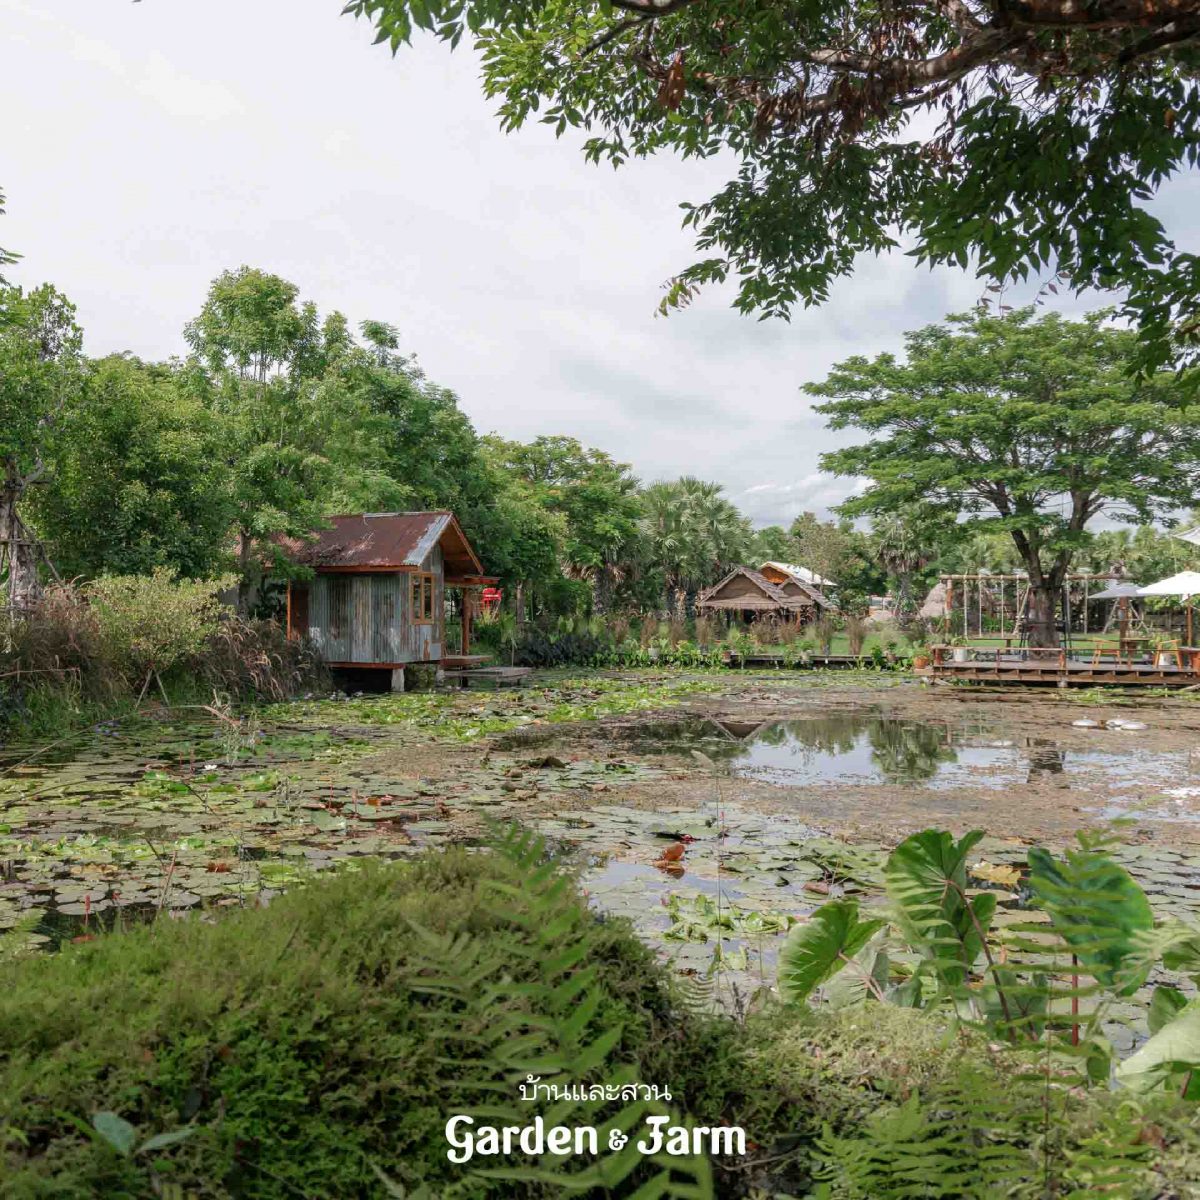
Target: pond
<point>711,858</point>
<point>861,749</point>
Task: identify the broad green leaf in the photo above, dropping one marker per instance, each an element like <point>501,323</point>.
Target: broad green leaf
<point>853,986</point>
<point>1175,1046</point>
<point>822,946</point>
<point>160,1141</point>
<point>926,881</point>
<point>1184,954</point>
<point>1165,1006</point>
<point>115,1130</point>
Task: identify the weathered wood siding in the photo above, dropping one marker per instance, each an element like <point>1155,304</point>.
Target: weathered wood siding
<point>368,618</point>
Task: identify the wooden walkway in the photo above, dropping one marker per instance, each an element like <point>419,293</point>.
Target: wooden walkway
<point>489,677</point>
<point>767,658</point>
<point>1047,668</point>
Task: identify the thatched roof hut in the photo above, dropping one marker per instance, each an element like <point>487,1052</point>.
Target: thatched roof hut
<point>750,592</point>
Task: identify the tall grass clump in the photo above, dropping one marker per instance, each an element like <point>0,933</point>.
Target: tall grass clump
<point>823,631</point>
<point>857,629</point>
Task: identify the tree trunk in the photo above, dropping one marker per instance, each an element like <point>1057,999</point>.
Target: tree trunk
<point>601,590</point>
<point>519,604</point>
<point>18,549</point>
<point>1043,613</point>
<point>248,576</point>
<point>904,604</point>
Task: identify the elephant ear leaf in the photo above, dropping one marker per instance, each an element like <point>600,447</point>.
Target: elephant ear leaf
<point>868,975</point>
<point>926,877</point>
<point>1174,1048</point>
<point>1095,906</point>
<point>816,950</point>
<point>1164,1008</point>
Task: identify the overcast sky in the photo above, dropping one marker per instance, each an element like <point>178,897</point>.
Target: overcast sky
<point>149,146</point>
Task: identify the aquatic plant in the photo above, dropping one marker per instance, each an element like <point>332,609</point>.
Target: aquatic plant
<point>1043,984</point>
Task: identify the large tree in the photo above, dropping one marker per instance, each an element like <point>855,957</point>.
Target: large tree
<point>772,543</point>
<point>300,438</point>
<point>7,257</point>
<point>1030,135</point>
<point>905,543</point>
<point>40,370</point>
<point>597,500</point>
<point>845,556</point>
<point>135,478</point>
<point>691,534</point>
<point>1014,423</point>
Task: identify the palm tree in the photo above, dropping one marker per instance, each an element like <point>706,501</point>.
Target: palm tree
<point>903,547</point>
<point>691,533</point>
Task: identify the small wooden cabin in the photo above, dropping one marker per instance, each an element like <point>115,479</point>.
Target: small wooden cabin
<point>377,597</point>
<point>751,594</point>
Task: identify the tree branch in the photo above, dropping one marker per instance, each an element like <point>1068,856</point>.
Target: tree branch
<point>612,34</point>
<point>652,8</point>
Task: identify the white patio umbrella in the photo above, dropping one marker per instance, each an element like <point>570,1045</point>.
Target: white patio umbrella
<point>1184,584</point>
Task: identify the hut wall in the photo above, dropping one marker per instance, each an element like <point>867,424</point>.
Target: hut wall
<point>367,617</point>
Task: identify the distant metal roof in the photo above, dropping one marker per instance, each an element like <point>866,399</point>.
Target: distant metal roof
<point>801,573</point>
<point>385,542</point>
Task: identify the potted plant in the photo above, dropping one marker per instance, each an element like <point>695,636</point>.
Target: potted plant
<point>920,658</point>
<point>960,652</point>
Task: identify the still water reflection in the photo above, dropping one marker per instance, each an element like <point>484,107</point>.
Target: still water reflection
<point>857,748</point>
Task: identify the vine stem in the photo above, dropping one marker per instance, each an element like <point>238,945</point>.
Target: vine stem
<point>991,962</point>
<point>1074,1001</point>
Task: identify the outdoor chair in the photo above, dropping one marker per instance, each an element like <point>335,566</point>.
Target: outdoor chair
<point>1170,647</point>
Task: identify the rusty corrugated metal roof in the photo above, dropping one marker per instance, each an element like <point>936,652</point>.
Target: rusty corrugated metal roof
<point>383,542</point>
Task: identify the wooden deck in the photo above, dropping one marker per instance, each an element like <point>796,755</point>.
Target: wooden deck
<point>1061,668</point>
<point>1047,668</point>
<point>463,662</point>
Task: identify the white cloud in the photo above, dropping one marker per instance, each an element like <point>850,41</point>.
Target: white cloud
<point>186,97</point>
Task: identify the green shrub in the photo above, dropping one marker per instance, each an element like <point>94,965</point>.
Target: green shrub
<point>150,624</point>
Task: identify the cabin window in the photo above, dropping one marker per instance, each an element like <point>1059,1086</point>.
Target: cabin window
<point>422,599</point>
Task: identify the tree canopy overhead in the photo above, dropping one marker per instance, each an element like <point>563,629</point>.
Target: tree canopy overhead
<point>1028,426</point>
<point>1027,134</point>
